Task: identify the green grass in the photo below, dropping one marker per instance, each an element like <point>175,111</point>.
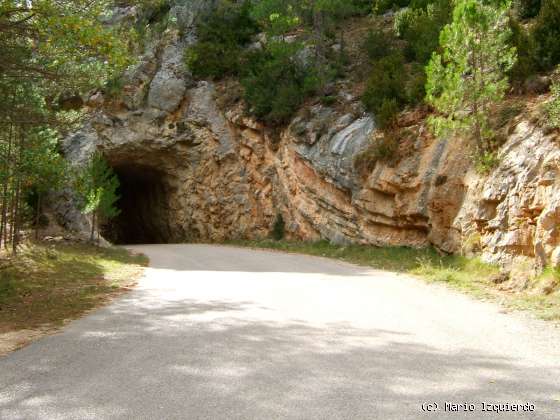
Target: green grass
<point>469,275</point>
<point>48,284</point>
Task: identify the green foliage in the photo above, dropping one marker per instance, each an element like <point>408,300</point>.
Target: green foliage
<point>468,78</point>
<point>222,34</point>
<point>277,17</point>
<point>114,87</point>
<point>152,20</point>
<point>381,148</point>
<point>382,6</point>
<point>96,187</point>
<point>526,9</point>
<point>527,63</point>
<point>51,50</point>
<point>378,44</point>
<point>486,161</point>
<point>546,33</point>
<point>554,105</point>
<point>385,92</point>
<point>46,169</point>
<point>279,228</point>
<point>415,86</point>
<point>362,7</point>
<point>276,82</point>
<point>64,42</point>
<point>328,100</point>
<point>420,28</point>
<point>393,84</point>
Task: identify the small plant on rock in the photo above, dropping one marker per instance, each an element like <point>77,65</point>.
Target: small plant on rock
<point>279,228</point>
<point>554,106</point>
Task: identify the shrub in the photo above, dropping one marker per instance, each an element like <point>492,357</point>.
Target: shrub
<point>527,63</point>
<point>279,228</point>
<point>114,87</point>
<point>486,161</point>
<point>385,91</point>
<point>276,83</point>
<point>361,7</point>
<point>526,9</point>
<point>554,106</point>
<point>378,44</point>
<point>328,100</point>
<point>152,18</point>
<point>546,34</point>
<point>221,37</point>
<point>381,148</point>
<point>386,113</point>
<point>420,25</point>
<point>415,87</point>
<point>382,6</point>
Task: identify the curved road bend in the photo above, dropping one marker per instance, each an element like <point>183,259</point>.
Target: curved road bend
<point>226,333</point>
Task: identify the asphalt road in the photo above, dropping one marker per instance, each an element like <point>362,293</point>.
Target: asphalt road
<point>226,333</point>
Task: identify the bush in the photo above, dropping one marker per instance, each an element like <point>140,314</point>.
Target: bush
<point>486,161</point>
<point>361,7</point>
<point>222,34</point>
<point>385,91</point>
<point>114,87</point>
<point>526,9</point>
<point>386,113</point>
<point>546,34</point>
<point>420,26</point>
<point>279,228</point>
<point>382,6</point>
<point>383,148</point>
<point>526,64</point>
<point>378,44</point>
<point>415,87</point>
<point>328,100</point>
<point>152,18</point>
<point>276,83</point>
<point>554,106</point>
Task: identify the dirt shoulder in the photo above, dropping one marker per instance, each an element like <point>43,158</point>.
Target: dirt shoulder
<point>48,285</point>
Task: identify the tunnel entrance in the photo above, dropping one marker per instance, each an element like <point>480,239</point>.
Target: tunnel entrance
<point>143,204</point>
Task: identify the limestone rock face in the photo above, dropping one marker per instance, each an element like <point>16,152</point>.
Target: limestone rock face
<point>206,173</point>
<point>516,209</point>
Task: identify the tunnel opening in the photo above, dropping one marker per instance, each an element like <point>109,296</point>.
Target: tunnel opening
<point>143,206</point>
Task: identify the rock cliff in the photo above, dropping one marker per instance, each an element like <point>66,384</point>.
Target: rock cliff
<point>196,167</point>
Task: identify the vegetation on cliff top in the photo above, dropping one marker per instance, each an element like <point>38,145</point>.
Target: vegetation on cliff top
<point>457,59</point>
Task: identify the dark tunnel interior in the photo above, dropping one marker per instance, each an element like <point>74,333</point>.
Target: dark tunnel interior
<point>143,204</point>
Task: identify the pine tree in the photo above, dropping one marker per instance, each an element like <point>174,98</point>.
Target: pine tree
<point>51,50</point>
<point>97,186</point>
<point>469,77</point>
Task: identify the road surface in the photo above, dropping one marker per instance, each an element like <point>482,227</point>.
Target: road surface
<point>226,333</point>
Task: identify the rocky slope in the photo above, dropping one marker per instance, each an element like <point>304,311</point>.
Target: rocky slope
<point>197,169</point>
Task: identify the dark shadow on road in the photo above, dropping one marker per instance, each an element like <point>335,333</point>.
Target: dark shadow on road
<point>226,360</point>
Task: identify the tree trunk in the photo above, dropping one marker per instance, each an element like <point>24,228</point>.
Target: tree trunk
<point>12,193</point>
<point>92,237</point>
<point>5,191</point>
<point>17,200</point>
<point>15,222</point>
<point>38,215</point>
